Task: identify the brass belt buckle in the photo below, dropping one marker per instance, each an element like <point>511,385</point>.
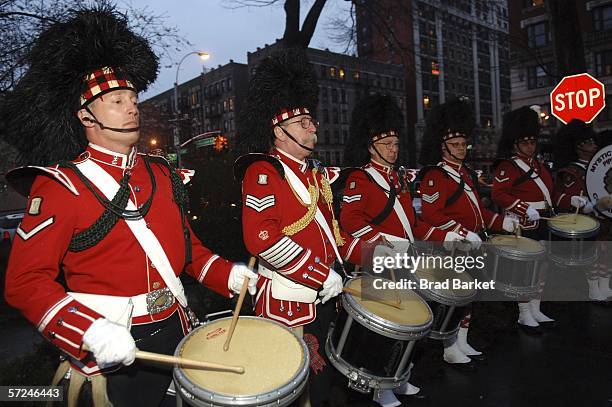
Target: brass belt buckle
<point>159,300</point>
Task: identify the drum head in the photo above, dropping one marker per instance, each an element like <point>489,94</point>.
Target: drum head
<point>414,312</point>
<point>450,295</point>
<point>272,356</point>
<point>511,246</point>
<point>573,225</point>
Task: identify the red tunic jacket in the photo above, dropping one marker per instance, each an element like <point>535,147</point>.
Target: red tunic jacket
<point>59,206</point>
<point>465,213</point>
<point>516,197</point>
<point>270,204</point>
<point>571,181</point>
<point>364,199</point>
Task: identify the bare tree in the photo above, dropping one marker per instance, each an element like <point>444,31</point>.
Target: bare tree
<point>22,20</point>
<point>294,35</point>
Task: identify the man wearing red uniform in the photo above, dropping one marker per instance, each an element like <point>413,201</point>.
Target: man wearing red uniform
<point>287,217</point>
<point>377,201</point>
<point>576,146</point>
<point>450,199</point>
<point>111,219</point>
<point>523,188</point>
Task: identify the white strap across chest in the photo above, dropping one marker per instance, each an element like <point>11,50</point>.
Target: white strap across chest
<point>397,206</point>
<point>145,237</point>
<point>538,181</point>
<point>299,187</point>
<point>455,176</point>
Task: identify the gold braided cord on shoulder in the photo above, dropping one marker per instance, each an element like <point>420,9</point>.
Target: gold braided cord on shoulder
<point>300,224</point>
<point>328,196</point>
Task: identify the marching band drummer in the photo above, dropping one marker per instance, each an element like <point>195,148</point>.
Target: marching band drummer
<point>377,200</point>
<point>575,146</point>
<point>523,188</point>
<point>287,216</point>
<point>112,219</point>
<point>450,199</point>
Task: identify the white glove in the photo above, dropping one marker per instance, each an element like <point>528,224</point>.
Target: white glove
<point>449,240</point>
<point>110,343</point>
<point>332,286</point>
<point>510,224</point>
<point>236,278</point>
<point>582,202</point>
<point>532,214</point>
<point>474,240</point>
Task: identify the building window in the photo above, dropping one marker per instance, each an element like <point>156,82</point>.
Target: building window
<point>229,83</point>
<point>326,137</point>
<point>332,71</point>
<point>537,77</point>
<point>334,95</point>
<point>231,104</point>
<point>603,63</point>
<point>426,101</point>
<point>324,94</point>
<point>341,73</point>
<point>356,76</point>
<point>343,95</point>
<point>538,34</point>
<point>336,138</point>
<point>325,116</point>
<point>335,117</point>
<point>435,68</point>
<point>602,18</point>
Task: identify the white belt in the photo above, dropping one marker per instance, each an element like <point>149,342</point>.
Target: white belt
<point>122,309</point>
<point>540,205</point>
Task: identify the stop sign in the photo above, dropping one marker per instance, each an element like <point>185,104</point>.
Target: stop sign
<point>578,97</point>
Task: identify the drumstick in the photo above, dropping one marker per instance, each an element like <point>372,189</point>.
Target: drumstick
<point>397,298</point>
<point>577,210</point>
<point>188,363</point>
<point>557,220</point>
<point>380,300</point>
<point>243,291</point>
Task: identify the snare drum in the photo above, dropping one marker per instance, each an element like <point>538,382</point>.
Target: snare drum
<point>448,304</point>
<point>572,239</point>
<point>274,358</point>
<point>514,263</point>
<point>371,343</point>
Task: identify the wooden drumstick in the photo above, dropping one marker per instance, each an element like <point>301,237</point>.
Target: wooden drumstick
<point>188,363</point>
<point>243,292</point>
<point>557,220</point>
<point>379,300</point>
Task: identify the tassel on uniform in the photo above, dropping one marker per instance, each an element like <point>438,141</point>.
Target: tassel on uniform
<point>339,240</point>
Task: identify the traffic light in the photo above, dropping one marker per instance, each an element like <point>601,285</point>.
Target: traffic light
<point>220,142</point>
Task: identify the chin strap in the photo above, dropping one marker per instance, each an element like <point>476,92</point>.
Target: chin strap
<point>380,155</point>
<point>294,140</point>
<point>103,127</point>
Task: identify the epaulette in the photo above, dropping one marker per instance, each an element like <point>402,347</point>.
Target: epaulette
<point>243,162</point>
<point>22,178</point>
<point>423,171</point>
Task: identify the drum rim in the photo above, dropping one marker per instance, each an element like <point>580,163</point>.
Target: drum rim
<point>585,234</point>
<point>500,250</point>
<point>301,376</point>
<point>385,327</point>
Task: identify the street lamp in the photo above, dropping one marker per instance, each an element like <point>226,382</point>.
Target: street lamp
<point>177,140</point>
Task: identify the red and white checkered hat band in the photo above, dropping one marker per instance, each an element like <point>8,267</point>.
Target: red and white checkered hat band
<point>286,114</point>
<point>453,134</point>
<point>102,81</point>
<point>380,136</point>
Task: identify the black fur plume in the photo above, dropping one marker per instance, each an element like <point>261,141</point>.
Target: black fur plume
<point>40,119</point>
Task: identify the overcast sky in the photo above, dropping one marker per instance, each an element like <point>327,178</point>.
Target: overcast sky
<point>225,33</point>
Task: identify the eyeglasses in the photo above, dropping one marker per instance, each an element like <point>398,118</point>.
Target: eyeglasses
<point>457,144</point>
<point>389,145</point>
<point>306,122</point>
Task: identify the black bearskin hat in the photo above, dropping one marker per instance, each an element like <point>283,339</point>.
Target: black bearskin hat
<point>568,138</point>
<point>40,113</point>
<point>604,138</point>
<point>449,120</point>
<point>519,124</point>
<point>284,86</point>
<point>373,118</point>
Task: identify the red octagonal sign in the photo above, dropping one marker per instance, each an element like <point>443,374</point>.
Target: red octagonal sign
<point>578,97</point>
